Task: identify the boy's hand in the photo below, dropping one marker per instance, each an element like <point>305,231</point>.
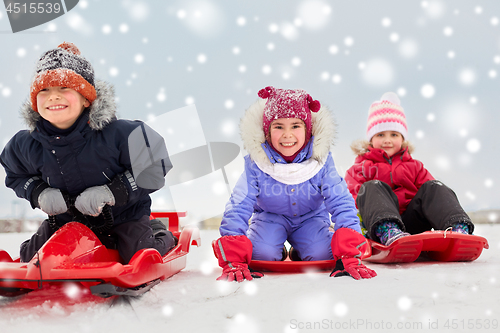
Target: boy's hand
<point>92,200</point>
<point>51,201</point>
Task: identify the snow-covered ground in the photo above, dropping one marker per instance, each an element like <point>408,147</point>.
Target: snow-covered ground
<point>417,297</point>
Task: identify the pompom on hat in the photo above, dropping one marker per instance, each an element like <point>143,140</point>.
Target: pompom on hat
<point>286,103</point>
<point>63,67</point>
<point>386,115</point>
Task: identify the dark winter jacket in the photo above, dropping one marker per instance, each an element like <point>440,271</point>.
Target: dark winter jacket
<point>309,188</point>
<point>401,172</point>
<point>95,153</point>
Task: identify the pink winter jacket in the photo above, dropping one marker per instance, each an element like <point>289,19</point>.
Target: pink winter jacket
<point>401,172</point>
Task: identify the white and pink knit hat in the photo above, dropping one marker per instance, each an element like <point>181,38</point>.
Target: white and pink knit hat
<point>386,115</point>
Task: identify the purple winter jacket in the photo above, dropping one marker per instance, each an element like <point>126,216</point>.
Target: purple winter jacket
<point>310,187</point>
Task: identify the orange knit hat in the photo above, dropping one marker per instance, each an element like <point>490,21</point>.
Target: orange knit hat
<point>63,67</point>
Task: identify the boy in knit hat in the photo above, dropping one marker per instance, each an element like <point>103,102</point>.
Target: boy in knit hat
<point>75,158</point>
<point>288,188</point>
<point>394,193</point>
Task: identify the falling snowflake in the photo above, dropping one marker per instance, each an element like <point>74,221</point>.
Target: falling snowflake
<point>106,29</point>
<point>266,69</point>
<point>467,77</point>
<point>378,73</point>
<point>333,49</point>
<point>427,90</point>
<point>207,267</point>
<point>296,61</point>
<point>349,41</point>
<point>408,48</point>
<point>250,288</point>
<point>273,28</point>
<point>6,92</point>
<point>404,303</point>
<point>229,127</point>
<point>289,31</point>
<point>336,78</point>
<point>137,10</point>
<point>123,28</point>
<point>241,21</point>
<point>201,58</point>
<point>161,96</point>
<point>340,309</point>
<point>181,14</point>
<point>314,14</point>
<point>394,37</point>
<point>21,52</point>
<point>167,310</point>
<point>325,76</point>
<point>434,9</point>
<point>473,145</point>
<point>139,58</point>
<point>113,71</point>
<point>448,31</point>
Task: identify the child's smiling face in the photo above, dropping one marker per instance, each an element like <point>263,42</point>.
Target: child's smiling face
<point>389,141</point>
<point>287,135</point>
<point>60,106</point>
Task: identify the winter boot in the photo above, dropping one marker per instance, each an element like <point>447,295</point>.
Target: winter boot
<point>159,230</point>
<point>460,227</point>
<point>294,255</point>
<point>158,227</point>
<point>284,253</point>
<point>388,232</point>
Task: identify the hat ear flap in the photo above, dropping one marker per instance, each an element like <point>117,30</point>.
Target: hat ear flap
<point>314,106</point>
<point>266,92</point>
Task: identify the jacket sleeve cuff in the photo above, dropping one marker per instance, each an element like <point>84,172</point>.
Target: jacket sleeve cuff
<point>38,188</point>
<point>119,190</point>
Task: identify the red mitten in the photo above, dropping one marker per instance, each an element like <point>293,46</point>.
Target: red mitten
<point>347,248</point>
<point>234,254</point>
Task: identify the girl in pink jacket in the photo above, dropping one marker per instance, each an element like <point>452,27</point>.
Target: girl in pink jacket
<point>396,196</point>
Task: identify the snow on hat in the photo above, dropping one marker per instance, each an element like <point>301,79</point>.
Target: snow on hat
<point>63,67</point>
<point>386,115</point>
<point>286,103</point>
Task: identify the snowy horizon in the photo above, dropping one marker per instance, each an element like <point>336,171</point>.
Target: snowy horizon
<point>441,57</point>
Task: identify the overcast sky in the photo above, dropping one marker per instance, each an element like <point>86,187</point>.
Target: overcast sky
<point>441,57</point>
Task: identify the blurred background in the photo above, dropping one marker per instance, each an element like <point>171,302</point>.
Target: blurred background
<point>442,57</point>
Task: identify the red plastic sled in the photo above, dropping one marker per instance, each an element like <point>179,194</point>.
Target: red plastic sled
<point>437,245</point>
<point>75,254</point>
<point>289,266</point>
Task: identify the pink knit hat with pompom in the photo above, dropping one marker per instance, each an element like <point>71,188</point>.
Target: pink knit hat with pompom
<point>386,115</point>
<point>286,103</point>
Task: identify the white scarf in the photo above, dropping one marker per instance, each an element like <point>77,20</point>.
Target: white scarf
<point>292,173</point>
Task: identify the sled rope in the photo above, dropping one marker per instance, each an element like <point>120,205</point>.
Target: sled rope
<point>447,229</point>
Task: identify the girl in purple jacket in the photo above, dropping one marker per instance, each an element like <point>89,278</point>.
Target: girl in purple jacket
<point>288,190</point>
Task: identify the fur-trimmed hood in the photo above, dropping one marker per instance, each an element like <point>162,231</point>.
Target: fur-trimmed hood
<point>323,130</point>
<point>360,147</point>
<point>102,110</point>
